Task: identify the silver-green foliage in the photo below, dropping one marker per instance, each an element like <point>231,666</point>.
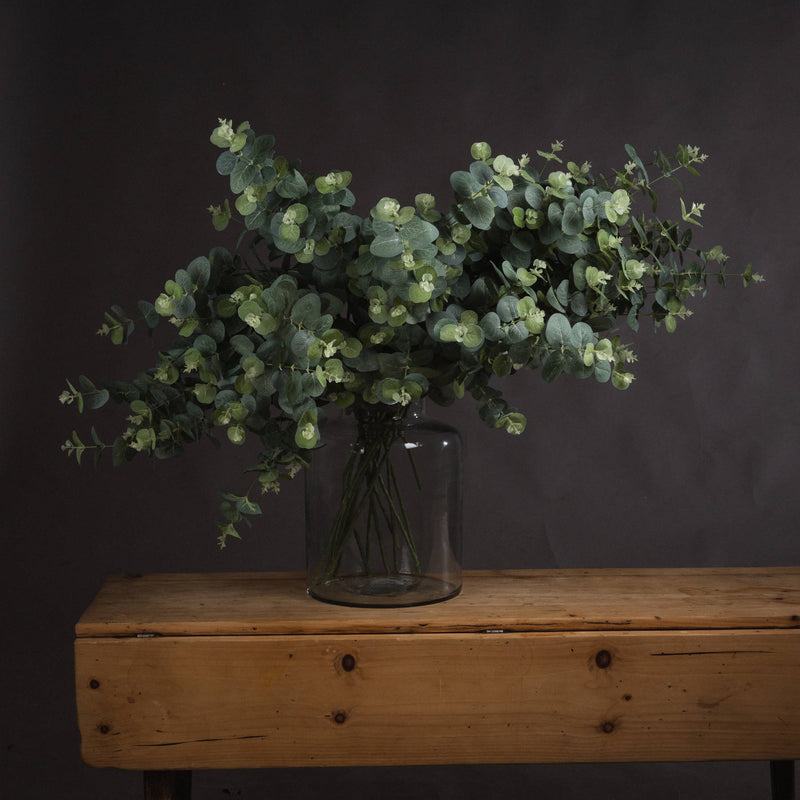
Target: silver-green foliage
<point>529,268</point>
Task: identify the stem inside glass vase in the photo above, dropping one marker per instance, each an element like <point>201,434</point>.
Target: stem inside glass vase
<point>383,509</point>
<point>372,508</point>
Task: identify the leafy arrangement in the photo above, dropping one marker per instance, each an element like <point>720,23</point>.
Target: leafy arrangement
<point>529,268</point>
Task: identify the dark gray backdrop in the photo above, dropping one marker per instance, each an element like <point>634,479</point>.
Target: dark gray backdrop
<point>106,174</point>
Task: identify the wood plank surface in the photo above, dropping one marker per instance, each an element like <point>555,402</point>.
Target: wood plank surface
<point>379,699</point>
<point>525,600</point>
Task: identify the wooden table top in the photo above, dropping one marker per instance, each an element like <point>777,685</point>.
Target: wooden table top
<point>241,604</point>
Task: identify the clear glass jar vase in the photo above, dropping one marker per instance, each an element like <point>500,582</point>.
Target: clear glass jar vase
<point>383,509</point>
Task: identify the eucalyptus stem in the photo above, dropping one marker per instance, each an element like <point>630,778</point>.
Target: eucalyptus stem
<point>370,489</point>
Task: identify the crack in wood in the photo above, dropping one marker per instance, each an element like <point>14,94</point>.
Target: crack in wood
<point>713,652</point>
<point>195,741</point>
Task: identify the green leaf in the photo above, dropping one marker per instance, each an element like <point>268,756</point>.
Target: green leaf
<point>185,307</point>
<point>306,310</point>
<point>289,233</point>
<point>246,506</point>
<point>388,246</point>
<point>205,393</point>
<point>464,184</point>
<point>534,196</point>
<point>292,185</point>
<point>148,311</point>
<point>242,176</point>
<point>417,294</point>
<point>479,211</point>
<point>418,233</point>
<point>96,399</point>
<point>205,345</point>
<point>482,172</point>
<point>492,330</point>
<point>498,195</point>
<point>221,215</point>
<point>226,162</point>
<point>553,365</point>
<point>473,338</point>
<point>558,331</point>
<point>507,308</point>
<point>307,434</point>
<point>572,220</point>
<point>621,380</point>
<point>602,371</point>
<point>636,160</point>
<point>243,345</point>
<point>581,335</point>
<point>255,220</point>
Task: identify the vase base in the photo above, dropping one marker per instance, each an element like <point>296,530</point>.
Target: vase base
<point>384,591</point>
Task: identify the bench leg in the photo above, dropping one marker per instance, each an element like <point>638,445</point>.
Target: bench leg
<point>168,785</point>
<point>782,778</point>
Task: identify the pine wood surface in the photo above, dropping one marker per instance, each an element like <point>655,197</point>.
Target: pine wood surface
<point>181,672</point>
<point>523,600</point>
<point>383,699</point>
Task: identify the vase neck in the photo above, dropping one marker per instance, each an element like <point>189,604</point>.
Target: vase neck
<point>377,418</point>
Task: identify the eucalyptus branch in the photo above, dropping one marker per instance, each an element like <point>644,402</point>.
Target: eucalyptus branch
<point>524,269</point>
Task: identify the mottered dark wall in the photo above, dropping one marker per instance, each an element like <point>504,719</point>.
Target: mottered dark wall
<point>107,172</point>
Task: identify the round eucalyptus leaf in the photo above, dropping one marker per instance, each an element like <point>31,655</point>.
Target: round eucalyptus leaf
<point>226,162</point>
<point>473,337</point>
<point>292,185</point>
<point>558,331</point>
<point>242,176</point>
<point>464,184</point>
<point>498,196</point>
<point>517,332</point>
<point>578,304</point>
<point>573,245</point>
<point>418,233</point>
<point>602,371</point>
<point>96,399</point>
<point>534,196</point>
<point>482,172</point>
<point>572,220</point>
<point>185,307</point>
<point>553,365</point>
<point>388,246</point>
<point>306,310</point>
<point>507,308</point>
<point>255,220</point>
<point>205,345</point>
<point>491,326</point>
<point>479,211</point>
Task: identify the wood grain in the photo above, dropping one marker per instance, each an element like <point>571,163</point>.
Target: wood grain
<point>255,701</point>
<point>530,600</point>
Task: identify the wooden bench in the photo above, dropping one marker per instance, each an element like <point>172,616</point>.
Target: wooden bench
<point>219,671</point>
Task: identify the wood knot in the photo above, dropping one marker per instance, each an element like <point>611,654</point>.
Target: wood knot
<point>607,727</point>
<point>348,662</point>
<point>340,717</point>
<point>603,659</point>
<point>104,729</point>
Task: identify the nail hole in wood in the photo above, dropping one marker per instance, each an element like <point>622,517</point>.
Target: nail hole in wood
<point>104,729</point>
<point>94,684</point>
<point>608,727</point>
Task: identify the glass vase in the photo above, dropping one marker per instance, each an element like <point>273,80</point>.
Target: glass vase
<point>383,509</point>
